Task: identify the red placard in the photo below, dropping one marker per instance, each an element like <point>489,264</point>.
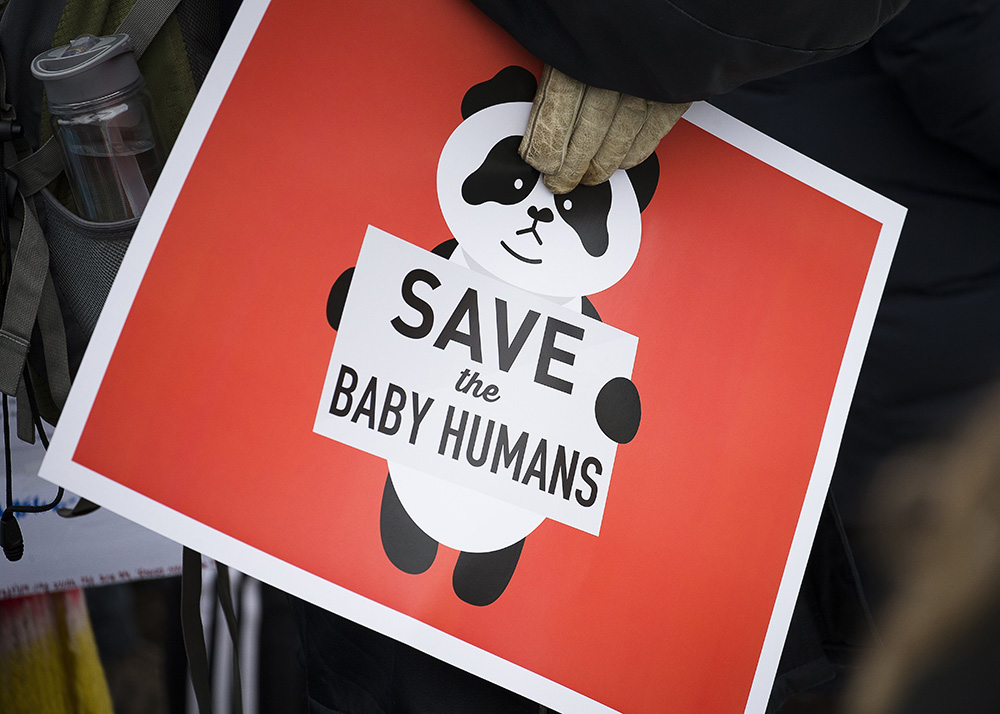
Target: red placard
<point>743,297</point>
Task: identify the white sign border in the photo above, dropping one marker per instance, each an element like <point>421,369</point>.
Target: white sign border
<point>58,466</point>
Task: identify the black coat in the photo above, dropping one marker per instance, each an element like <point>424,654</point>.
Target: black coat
<point>686,49</point>
<point>914,115</point>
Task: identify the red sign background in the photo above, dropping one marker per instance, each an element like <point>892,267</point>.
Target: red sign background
<point>743,297</point>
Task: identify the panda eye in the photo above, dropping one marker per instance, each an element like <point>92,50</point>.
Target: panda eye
<point>587,214</point>
<point>502,178</point>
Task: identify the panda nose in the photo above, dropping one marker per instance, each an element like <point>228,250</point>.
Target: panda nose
<point>544,214</point>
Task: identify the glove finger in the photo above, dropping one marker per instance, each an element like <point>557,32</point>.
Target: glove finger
<point>628,120</point>
<point>660,119</point>
<point>597,112</point>
<point>550,124</point>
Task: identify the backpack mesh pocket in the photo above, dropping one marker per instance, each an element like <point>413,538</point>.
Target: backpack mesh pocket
<point>84,257</point>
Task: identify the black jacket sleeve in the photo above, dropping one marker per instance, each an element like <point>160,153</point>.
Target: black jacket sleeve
<point>945,58</point>
<point>683,50</point>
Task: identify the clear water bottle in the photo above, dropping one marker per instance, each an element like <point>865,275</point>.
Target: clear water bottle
<point>103,120</point>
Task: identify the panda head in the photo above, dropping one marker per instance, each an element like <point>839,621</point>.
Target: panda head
<point>510,225</point>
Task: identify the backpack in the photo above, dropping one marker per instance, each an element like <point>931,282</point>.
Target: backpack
<point>56,269</point>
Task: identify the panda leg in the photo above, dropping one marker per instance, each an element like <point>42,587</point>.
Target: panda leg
<point>480,578</point>
<point>409,548</point>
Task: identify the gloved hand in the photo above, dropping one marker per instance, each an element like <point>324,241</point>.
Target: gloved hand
<point>580,134</point>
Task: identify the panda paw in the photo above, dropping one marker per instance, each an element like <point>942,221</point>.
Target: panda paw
<point>618,410</point>
<point>338,297</point>
<point>405,544</point>
<point>480,578</point>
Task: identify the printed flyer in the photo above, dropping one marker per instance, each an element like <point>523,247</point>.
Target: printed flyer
<point>357,350</point>
<point>98,548</point>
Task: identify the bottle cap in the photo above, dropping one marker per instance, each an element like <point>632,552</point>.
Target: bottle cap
<point>86,69</point>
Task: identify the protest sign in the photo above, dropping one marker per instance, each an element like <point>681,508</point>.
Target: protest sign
<point>301,287</point>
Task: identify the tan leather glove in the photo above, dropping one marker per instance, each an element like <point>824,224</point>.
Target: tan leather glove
<point>580,134</point>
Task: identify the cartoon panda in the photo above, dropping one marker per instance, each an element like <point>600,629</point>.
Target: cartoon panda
<point>505,223</point>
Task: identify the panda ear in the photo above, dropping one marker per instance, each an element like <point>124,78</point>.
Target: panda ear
<point>511,84</point>
<point>644,178</point>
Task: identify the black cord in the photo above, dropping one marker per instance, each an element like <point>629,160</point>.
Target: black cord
<point>45,444</point>
<point>10,474</point>
<point>6,453</point>
<point>9,470</point>
<point>11,540</point>
<point>36,419</point>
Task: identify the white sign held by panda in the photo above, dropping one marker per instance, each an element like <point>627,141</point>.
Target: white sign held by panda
<point>451,373</point>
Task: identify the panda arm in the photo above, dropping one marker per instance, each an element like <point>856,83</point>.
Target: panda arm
<point>338,293</point>
<point>338,297</point>
<point>446,249</point>
<point>618,410</point>
<point>588,309</point>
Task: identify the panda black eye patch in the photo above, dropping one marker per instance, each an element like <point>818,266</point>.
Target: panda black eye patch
<point>502,178</point>
<point>585,209</point>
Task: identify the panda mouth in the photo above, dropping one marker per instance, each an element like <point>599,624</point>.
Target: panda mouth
<point>531,261</point>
